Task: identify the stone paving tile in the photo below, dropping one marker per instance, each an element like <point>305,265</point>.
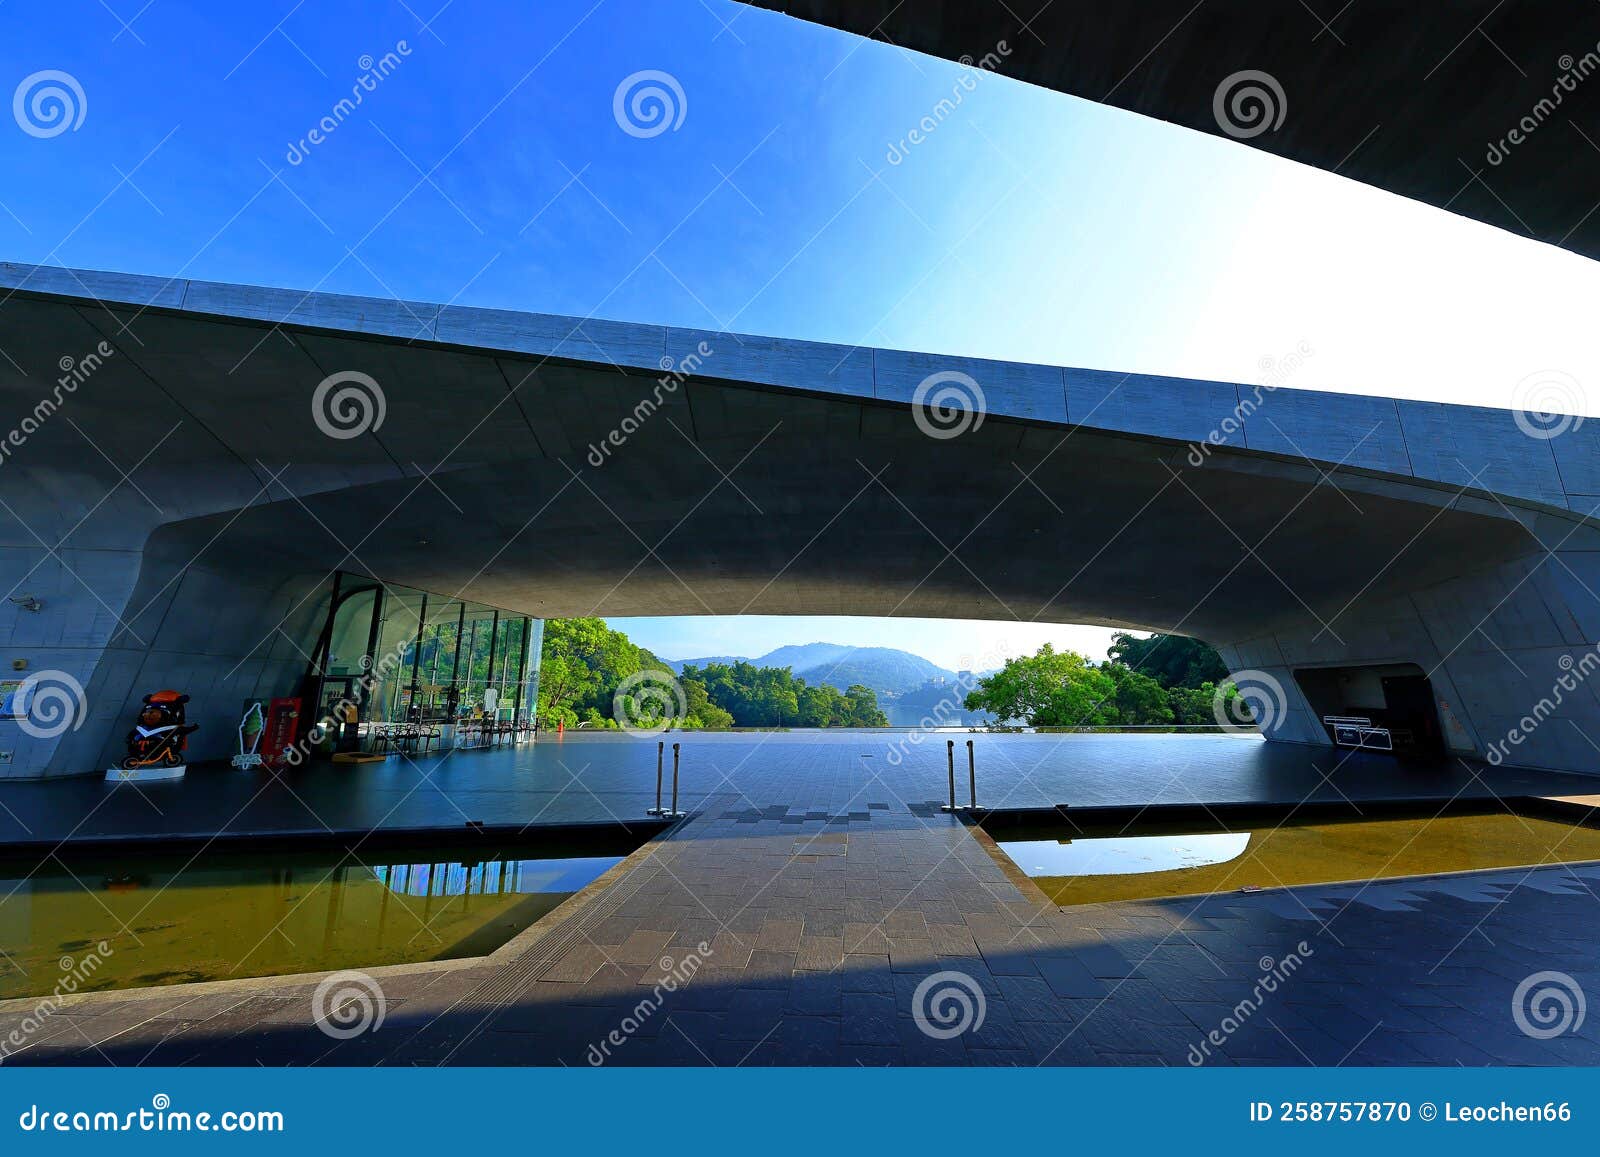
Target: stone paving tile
<point>953,940</point>
<point>907,955</point>
<point>820,953</point>
<point>578,965</point>
<point>1067,976</point>
<point>643,947</point>
<point>865,939</point>
<point>823,917</point>
<point>780,935</point>
<point>815,994</point>
<point>1008,958</point>
<point>769,970</point>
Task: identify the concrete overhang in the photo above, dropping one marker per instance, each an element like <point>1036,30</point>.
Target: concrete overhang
<point>1486,108</point>
<point>780,477</point>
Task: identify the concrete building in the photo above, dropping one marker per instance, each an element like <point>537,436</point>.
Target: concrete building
<point>183,478</point>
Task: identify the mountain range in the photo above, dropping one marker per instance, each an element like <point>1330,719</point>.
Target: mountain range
<point>886,670</point>
<point>910,689</point>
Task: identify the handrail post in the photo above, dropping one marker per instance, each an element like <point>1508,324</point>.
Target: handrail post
<point>972,780</point>
<point>656,811</point>
<point>675,813</point>
<point>950,760</point>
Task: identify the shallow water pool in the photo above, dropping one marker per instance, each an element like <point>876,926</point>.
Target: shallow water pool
<point>130,922</point>
<point>1150,860</point>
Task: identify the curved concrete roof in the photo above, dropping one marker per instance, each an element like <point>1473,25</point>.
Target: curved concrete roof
<point>782,477</point>
<point>178,510</point>
<point>1413,97</point>
<point>1477,448</point>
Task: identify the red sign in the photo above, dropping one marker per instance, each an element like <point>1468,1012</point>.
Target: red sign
<point>283,716</point>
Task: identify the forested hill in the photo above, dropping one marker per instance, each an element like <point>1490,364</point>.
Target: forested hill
<point>585,664</point>
<point>885,670</point>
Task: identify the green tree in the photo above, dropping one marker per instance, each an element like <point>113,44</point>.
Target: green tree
<point>1171,660</point>
<point>703,713</point>
<point>584,662</point>
<point>1140,700</point>
<point>821,707</point>
<point>861,707</point>
<point>774,697</point>
<point>1197,706</point>
<point>580,667</point>
<point>1048,689</point>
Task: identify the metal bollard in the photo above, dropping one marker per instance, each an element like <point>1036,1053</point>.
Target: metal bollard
<point>656,811</point>
<point>674,813</point>
<point>972,780</point>
<point>950,758</point>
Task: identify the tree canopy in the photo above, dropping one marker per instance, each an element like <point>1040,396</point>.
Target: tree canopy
<point>584,662</point>
<point>774,697</point>
<point>1163,680</point>
<point>1171,660</point>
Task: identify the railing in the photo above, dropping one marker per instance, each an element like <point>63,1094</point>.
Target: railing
<point>972,807</point>
<point>465,735</point>
<point>666,813</point>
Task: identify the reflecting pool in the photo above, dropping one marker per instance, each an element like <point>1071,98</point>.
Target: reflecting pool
<point>1151,860</point>
<point>170,920</point>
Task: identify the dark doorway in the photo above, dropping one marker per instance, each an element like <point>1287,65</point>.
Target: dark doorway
<point>1380,707</point>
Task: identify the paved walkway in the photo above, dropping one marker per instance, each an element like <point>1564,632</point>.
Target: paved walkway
<point>826,899</point>
<point>587,778</point>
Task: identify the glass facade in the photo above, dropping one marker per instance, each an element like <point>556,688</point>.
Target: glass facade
<point>419,666</point>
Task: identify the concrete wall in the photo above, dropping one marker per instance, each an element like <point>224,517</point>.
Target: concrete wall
<point>121,618</point>
<point>1505,645</point>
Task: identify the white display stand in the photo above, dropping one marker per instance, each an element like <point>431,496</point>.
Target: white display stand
<point>144,774</point>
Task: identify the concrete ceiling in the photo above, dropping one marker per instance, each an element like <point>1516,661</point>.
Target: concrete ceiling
<point>737,496</point>
<point>1406,95</point>
<point>1100,532</point>
<point>780,478</point>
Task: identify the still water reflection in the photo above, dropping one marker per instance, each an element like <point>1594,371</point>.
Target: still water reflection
<point>167,921</point>
<point>1095,866</point>
<point>1121,855</point>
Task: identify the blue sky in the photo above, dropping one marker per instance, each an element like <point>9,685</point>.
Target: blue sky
<point>961,645</point>
<point>488,168</point>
